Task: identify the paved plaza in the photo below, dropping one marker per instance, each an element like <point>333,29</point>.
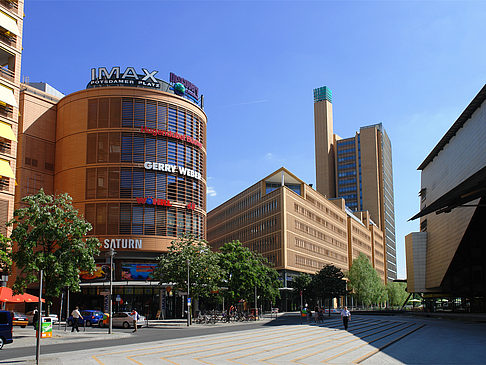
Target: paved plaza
<point>370,340</point>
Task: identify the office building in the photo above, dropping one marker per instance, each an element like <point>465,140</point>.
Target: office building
<point>295,227</point>
<point>357,169</point>
<point>11,27</point>
<point>448,256</point>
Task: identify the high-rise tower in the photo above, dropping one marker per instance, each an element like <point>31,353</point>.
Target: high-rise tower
<point>358,169</point>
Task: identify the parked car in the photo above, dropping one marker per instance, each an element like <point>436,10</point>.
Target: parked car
<point>19,319</point>
<point>91,317</point>
<point>125,320</point>
<point>5,328</point>
<point>30,316</point>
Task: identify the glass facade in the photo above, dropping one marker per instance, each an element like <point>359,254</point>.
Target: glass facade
<point>123,134</point>
<point>347,186</point>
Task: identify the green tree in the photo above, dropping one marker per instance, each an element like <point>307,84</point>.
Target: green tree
<point>301,285</point>
<point>329,283</point>
<point>50,235</point>
<point>5,253</point>
<point>188,252</point>
<point>246,270</point>
<point>396,293</point>
<point>364,281</point>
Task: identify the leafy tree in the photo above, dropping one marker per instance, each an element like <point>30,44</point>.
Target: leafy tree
<point>396,293</point>
<point>51,236</point>
<point>246,270</point>
<point>204,271</point>
<point>5,253</point>
<point>364,281</point>
<point>301,285</point>
<point>329,283</point>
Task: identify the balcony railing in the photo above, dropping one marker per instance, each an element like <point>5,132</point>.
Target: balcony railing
<point>7,74</point>
<point>4,183</point>
<point>9,40</point>
<point>12,6</point>
<point>5,146</point>
<point>6,111</point>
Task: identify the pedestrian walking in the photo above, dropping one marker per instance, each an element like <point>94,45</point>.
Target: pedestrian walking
<point>135,317</point>
<point>76,316</point>
<point>35,319</point>
<point>346,316</point>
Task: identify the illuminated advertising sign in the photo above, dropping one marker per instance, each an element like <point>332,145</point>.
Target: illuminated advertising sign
<point>182,137</point>
<point>189,87</point>
<point>128,78</point>
<point>137,271</point>
<point>101,273</point>
<point>156,166</point>
<point>152,201</point>
<point>122,243</point>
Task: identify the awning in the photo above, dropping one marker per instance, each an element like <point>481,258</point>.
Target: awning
<point>470,189</point>
<point>7,96</point>
<point>6,170</point>
<point>9,23</point>
<point>7,132</point>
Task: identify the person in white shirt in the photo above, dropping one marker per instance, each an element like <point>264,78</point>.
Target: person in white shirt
<point>76,315</point>
<point>346,316</point>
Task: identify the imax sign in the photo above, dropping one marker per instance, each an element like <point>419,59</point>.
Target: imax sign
<point>129,77</point>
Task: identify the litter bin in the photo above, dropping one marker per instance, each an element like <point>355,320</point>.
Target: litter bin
<point>254,313</point>
<point>46,327</point>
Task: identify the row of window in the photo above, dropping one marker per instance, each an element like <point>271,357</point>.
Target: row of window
<point>357,252</point>
<point>359,232</point>
<point>347,158</point>
<point>345,142</point>
<point>364,245</point>
<point>319,235</point>
<point>115,147</point>
<point>262,210</point>
<point>320,250</point>
<point>132,183</point>
<point>265,244</point>
<point>133,219</point>
<point>351,150</point>
<point>254,231</point>
<point>347,173</point>
<point>325,209</point>
<point>346,166</point>
<point>347,181</point>
<point>248,200</point>
<point>319,220</point>
<point>136,113</point>
<point>347,189</point>
<point>302,261</point>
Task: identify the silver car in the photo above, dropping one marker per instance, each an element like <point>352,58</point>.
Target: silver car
<point>125,320</point>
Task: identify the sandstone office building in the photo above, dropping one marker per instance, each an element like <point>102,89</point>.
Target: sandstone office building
<point>296,228</point>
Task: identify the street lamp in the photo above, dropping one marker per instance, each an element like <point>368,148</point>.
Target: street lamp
<point>110,328</point>
<point>188,296</point>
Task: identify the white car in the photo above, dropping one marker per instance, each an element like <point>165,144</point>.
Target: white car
<point>30,316</point>
<point>125,320</point>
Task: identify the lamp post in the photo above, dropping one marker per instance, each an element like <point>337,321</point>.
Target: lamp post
<point>39,323</point>
<point>188,296</point>
<point>110,328</point>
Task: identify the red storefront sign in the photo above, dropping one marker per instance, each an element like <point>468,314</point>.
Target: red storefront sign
<point>182,137</point>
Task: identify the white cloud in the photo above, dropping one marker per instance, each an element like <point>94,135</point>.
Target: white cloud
<point>269,156</point>
<point>210,191</point>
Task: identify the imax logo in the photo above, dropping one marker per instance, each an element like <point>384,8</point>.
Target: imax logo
<point>129,74</point>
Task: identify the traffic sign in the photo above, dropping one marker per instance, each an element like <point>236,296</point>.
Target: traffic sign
<point>189,301</point>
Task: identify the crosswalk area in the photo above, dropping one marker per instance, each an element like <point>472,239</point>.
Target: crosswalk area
<point>287,344</point>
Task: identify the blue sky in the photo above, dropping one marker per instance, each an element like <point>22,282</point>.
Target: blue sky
<point>413,66</point>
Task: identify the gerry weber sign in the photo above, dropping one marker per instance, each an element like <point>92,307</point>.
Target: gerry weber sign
<point>128,78</point>
<point>171,168</point>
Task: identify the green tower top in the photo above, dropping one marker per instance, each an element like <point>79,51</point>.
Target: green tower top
<point>322,93</point>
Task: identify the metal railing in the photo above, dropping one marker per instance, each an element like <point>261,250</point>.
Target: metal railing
<point>7,74</point>
<point>9,40</point>
<point>12,6</point>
